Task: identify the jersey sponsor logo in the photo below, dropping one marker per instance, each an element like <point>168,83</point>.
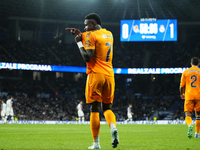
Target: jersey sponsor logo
<point>87,43</point>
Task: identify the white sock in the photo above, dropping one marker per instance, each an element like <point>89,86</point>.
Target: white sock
<point>5,119</point>
<point>82,119</point>
<point>79,120</point>
<point>12,118</point>
<point>97,140</point>
<point>112,125</point>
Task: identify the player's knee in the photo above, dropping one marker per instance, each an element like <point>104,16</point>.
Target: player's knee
<point>95,106</point>
<point>198,114</point>
<point>188,113</point>
<point>107,106</point>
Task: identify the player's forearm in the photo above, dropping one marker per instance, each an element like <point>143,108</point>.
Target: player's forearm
<point>181,90</point>
<point>84,54</point>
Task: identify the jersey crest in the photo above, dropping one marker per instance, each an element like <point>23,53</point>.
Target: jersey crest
<point>87,43</point>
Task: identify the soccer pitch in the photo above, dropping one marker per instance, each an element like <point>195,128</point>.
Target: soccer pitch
<point>78,137</point>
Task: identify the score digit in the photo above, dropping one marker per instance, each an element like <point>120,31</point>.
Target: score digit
<point>171,30</point>
<point>125,31</point>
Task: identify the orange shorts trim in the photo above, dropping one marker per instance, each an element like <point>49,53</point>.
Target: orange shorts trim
<point>99,87</point>
<point>192,105</point>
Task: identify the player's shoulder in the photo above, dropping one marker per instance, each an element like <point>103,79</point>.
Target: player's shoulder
<point>192,69</point>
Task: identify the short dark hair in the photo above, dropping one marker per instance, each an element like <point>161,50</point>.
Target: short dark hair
<point>94,17</point>
<point>9,97</point>
<point>195,61</point>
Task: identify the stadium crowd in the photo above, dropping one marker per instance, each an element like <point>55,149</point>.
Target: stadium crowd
<point>33,100</point>
<point>53,53</point>
<point>56,99</point>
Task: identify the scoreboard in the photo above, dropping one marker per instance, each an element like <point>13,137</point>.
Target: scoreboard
<point>148,30</point>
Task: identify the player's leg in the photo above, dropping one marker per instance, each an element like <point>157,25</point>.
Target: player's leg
<point>6,116</point>
<point>197,122</point>
<point>83,119</point>
<point>188,120</point>
<point>126,121</point>
<point>12,119</point>
<point>93,91</point>
<point>111,120</point>
<point>95,124</point>
<point>2,117</point>
<point>131,120</point>
<point>12,115</point>
<point>109,115</point>
<point>188,108</point>
<point>107,98</point>
<point>79,119</point>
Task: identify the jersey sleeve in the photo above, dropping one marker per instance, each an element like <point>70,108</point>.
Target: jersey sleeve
<point>89,40</point>
<point>183,80</point>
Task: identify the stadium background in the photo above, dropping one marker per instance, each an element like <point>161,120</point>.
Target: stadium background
<point>33,32</point>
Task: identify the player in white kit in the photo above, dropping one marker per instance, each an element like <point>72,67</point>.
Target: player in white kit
<point>9,109</point>
<point>80,112</point>
<point>3,110</point>
<point>129,114</point>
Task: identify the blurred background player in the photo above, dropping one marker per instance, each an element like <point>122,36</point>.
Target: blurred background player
<point>190,83</point>
<point>9,109</point>
<point>129,114</point>
<point>80,112</point>
<point>3,111</point>
<point>96,48</point>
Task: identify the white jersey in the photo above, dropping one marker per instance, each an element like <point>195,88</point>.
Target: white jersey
<point>3,106</point>
<point>9,111</point>
<point>79,107</point>
<point>128,110</point>
<point>8,103</point>
<point>3,112</point>
<point>80,112</point>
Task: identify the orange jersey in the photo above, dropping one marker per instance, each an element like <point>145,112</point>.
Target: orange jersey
<point>191,81</point>
<point>102,42</point>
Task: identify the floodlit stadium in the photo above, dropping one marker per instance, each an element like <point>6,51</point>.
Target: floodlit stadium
<point>43,76</point>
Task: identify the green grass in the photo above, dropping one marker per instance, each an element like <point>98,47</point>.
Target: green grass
<point>78,137</point>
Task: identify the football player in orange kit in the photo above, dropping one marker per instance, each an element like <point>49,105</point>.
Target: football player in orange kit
<point>190,83</point>
<point>96,48</point>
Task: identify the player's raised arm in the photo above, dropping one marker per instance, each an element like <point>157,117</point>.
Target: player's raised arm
<point>86,54</point>
<point>74,31</point>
